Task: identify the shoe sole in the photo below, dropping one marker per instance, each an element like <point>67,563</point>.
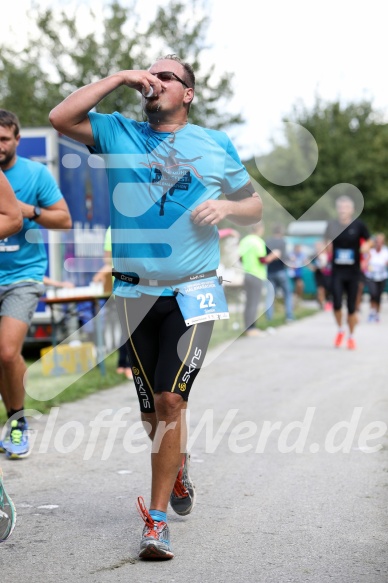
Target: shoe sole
<point>16,456</point>
<point>153,553</point>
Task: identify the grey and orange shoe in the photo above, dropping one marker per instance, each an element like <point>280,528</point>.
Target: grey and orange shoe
<point>155,540</point>
<point>183,495</point>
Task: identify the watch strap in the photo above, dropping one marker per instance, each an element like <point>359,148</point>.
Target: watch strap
<point>37,212</point>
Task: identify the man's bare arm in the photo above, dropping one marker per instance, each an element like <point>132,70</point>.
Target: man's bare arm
<point>70,117</point>
<point>11,220</point>
<point>56,216</point>
<point>246,211</point>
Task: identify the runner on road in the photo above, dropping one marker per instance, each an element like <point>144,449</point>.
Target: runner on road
<point>166,178</point>
<point>346,234</point>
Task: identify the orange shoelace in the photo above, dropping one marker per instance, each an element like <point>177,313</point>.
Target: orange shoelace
<point>179,489</point>
<point>154,527</point>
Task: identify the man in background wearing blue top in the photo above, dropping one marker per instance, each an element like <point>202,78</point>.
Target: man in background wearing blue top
<point>166,177</point>
<point>277,273</point>
<point>23,265</point>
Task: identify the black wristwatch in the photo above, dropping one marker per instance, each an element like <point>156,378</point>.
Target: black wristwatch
<point>37,213</point>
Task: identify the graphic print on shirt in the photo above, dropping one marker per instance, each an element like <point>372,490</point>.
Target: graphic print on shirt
<point>172,174</point>
<point>8,245</point>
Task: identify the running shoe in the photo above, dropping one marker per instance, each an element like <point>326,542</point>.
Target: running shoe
<point>182,497</point>
<point>339,339</point>
<point>155,540</point>
<point>18,446</point>
<point>253,332</point>
<point>351,344</point>
<point>7,513</point>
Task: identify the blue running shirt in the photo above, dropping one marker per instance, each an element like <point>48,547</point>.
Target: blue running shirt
<point>155,180</point>
<point>21,260</point>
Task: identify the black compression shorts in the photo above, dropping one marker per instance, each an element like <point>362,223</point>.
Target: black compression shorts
<point>165,354</point>
<point>345,282</point>
<point>376,289</point>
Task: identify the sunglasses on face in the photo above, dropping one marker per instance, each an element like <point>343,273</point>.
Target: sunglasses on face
<point>169,76</point>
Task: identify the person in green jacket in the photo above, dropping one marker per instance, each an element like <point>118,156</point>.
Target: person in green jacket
<point>254,259</point>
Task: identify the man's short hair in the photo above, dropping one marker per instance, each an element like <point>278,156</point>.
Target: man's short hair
<point>189,75</point>
<point>10,120</point>
<point>277,229</point>
<point>344,198</point>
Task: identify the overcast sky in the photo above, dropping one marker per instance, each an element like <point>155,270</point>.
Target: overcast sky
<point>281,52</point>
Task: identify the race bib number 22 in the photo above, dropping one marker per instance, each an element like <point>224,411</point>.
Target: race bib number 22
<point>202,301</point>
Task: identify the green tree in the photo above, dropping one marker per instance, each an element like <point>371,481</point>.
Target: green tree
<point>352,144</point>
<point>60,59</point>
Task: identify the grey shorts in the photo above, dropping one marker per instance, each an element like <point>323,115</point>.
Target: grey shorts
<point>19,301</point>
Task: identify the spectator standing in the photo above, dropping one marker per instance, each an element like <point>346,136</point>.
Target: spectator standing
<point>296,261</point>
<point>277,273</point>
<point>252,249</point>
<point>362,280</point>
<point>376,275</point>
<point>254,257</point>
<point>321,266</point>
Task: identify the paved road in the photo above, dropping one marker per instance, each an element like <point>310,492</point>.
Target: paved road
<point>287,491</point>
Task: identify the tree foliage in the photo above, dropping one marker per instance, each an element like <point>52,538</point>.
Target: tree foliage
<point>61,58</point>
<point>352,144</point>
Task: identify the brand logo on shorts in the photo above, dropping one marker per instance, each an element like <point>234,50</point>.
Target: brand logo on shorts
<point>193,365</point>
<point>182,386</point>
<point>141,390</point>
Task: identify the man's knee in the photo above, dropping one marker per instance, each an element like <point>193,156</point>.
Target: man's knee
<point>9,354</point>
<point>168,405</point>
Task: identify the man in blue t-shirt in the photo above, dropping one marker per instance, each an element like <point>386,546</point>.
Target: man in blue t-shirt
<point>23,263</point>
<point>166,178</point>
